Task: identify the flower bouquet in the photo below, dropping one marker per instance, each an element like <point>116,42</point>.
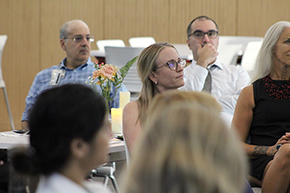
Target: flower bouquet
<point>108,75</point>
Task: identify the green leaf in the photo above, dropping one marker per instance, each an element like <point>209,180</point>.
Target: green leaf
<point>105,84</point>
<point>124,69</point>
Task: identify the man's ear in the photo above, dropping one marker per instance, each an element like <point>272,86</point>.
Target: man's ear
<point>188,44</point>
<point>79,148</point>
<point>62,44</point>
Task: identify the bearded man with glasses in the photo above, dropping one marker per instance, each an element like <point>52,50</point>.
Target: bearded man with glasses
<point>76,67</point>
<point>207,73</point>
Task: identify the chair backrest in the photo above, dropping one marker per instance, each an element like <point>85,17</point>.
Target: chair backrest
<point>119,56</point>
<point>127,153</point>
<point>228,53</point>
<point>114,42</point>
<point>141,42</point>
<point>244,40</point>
<point>3,39</point>
<point>250,56</point>
<point>183,51</point>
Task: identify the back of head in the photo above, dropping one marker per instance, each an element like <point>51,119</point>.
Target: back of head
<point>146,64</point>
<point>175,96</point>
<point>265,55</point>
<point>186,147</point>
<point>59,115</point>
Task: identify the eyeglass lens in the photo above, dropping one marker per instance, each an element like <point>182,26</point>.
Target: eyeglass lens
<point>79,38</point>
<point>173,65</point>
<point>200,34</point>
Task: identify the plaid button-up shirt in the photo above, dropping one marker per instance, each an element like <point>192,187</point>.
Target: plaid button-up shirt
<point>80,75</point>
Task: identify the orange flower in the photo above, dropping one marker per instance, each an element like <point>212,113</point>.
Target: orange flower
<point>106,76</point>
<point>96,74</point>
<point>108,71</point>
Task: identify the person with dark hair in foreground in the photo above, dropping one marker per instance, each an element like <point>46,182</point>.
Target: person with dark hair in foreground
<point>4,171</point>
<point>69,136</point>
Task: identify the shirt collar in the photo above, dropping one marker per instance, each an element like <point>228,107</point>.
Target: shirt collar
<point>217,64</point>
<point>57,182</point>
<point>62,64</point>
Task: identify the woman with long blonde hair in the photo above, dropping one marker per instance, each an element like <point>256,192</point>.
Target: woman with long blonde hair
<point>160,69</point>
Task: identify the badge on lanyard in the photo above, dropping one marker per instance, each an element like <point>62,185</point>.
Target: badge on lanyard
<point>56,75</point>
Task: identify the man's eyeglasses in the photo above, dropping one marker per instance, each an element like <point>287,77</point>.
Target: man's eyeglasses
<point>79,38</point>
<point>173,65</point>
<point>200,34</point>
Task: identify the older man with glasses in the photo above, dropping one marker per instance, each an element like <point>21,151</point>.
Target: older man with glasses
<point>206,73</point>
<point>76,67</point>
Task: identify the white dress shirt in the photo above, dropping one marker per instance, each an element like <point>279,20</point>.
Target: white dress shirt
<point>227,83</point>
<point>57,183</point>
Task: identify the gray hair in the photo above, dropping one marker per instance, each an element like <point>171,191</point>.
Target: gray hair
<point>63,30</point>
<point>265,55</point>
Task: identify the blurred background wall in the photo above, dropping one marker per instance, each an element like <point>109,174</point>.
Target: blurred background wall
<point>33,27</point>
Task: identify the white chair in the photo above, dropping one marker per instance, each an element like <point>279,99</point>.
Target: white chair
<point>113,42</point>
<point>141,42</point>
<point>244,40</point>
<point>119,56</point>
<point>229,53</point>
<point>106,172</point>
<point>250,56</point>
<point>184,51</point>
<point>257,189</point>
<point>3,39</point>
<point>127,153</point>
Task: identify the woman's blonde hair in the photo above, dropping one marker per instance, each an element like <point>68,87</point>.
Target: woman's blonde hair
<point>186,147</point>
<point>147,62</point>
<point>265,56</point>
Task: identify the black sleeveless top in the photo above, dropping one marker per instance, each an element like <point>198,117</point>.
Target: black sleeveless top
<point>271,118</point>
<point>271,115</point>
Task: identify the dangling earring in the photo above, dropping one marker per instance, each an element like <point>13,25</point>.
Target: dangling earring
<point>155,82</point>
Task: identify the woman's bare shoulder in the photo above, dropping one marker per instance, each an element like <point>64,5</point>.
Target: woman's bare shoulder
<point>247,97</point>
<point>249,88</point>
<point>131,107</point>
<point>247,91</point>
